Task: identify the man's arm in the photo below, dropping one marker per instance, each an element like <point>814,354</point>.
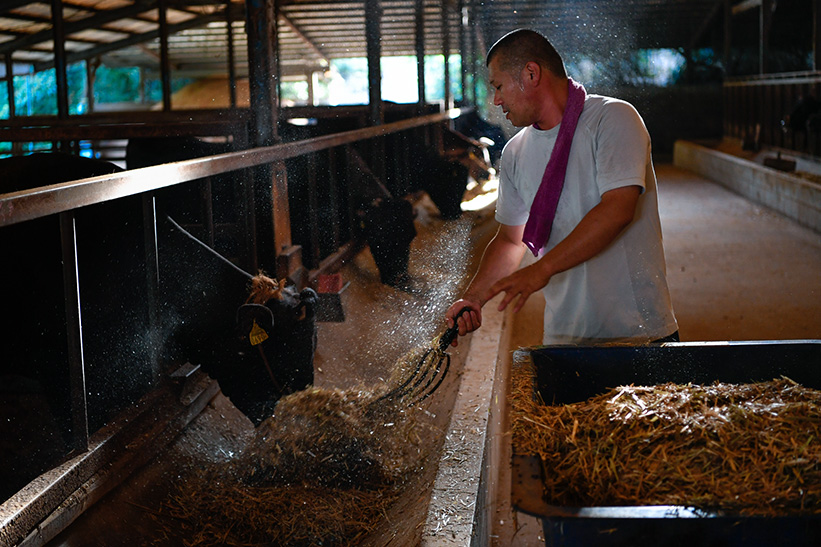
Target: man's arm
<point>501,258</point>
<point>594,233</point>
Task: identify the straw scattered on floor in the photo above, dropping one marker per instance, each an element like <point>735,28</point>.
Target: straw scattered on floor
<point>750,449</point>
<point>323,470</point>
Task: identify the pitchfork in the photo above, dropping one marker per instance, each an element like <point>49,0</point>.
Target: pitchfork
<point>431,369</point>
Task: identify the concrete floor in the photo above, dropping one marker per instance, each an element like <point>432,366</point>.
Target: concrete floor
<point>736,271</point>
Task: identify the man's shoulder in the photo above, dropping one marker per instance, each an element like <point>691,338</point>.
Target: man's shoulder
<point>602,112</point>
<point>602,105</point>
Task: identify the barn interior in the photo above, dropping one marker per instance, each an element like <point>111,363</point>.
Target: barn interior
<point>156,155</point>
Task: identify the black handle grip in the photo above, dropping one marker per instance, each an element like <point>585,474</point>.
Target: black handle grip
<point>451,333</point>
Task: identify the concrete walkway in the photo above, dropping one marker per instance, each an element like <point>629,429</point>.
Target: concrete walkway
<point>736,270</point>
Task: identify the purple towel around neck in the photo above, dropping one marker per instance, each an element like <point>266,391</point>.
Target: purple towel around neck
<point>543,209</point>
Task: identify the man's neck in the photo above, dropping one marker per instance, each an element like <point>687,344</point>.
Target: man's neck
<point>555,101</point>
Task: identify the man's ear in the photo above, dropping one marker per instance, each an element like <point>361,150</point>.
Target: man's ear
<point>532,72</point>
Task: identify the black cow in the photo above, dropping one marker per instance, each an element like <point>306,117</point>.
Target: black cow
<point>388,227</point>
<point>474,126</point>
<point>805,109</point>
<point>257,351</point>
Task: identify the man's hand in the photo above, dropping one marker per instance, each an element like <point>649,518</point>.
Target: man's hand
<point>469,321</point>
<point>520,284</point>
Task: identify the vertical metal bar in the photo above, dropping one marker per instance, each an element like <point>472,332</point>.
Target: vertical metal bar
<point>333,197</point>
<point>728,29</point>
<point>420,53</point>
<point>74,326</point>
<point>10,84</point>
<point>90,75</point>
<point>373,37</point>
<point>816,36</point>
<point>152,273</point>
<point>207,210</point>
<point>232,72</point>
<point>474,54</point>
<point>376,110</point>
<point>464,50</point>
<point>446,52</point>
<point>766,15</point>
<point>60,62</point>
<point>165,66</point>
<point>313,210</point>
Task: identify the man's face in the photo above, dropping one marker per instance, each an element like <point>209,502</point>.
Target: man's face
<point>511,94</point>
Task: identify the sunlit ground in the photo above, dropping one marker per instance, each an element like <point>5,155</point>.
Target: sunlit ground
<point>484,195</point>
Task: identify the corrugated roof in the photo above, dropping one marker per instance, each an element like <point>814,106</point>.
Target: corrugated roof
<point>311,32</point>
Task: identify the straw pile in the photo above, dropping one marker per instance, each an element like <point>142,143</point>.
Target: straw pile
<point>750,449</point>
<point>323,470</point>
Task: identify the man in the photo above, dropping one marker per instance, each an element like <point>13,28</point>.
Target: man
<point>589,214</point>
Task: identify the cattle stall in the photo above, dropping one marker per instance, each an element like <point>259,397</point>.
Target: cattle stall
<point>106,369</point>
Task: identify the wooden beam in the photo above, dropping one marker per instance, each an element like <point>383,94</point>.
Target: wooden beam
<point>304,39</point>
<point>132,40</point>
<point>93,22</point>
<point>706,23</point>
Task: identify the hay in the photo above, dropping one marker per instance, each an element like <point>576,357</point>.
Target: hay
<point>323,470</point>
<point>750,449</point>
<point>263,289</point>
<point>337,438</point>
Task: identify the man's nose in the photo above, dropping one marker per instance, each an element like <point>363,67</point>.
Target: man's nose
<point>497,99</point>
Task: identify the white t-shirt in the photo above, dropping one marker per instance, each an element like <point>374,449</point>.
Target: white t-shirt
<point>621,294</point>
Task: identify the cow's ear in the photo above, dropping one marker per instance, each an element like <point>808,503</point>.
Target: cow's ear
<point>308,299</point>
<point>251,317</point>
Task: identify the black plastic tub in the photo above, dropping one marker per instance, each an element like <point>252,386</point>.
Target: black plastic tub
<point>567,374</point>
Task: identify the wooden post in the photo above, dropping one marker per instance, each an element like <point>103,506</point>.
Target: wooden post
<point>91,73</point>
<point>446,52</point>
<point>764,40</point>
<point>376,109</point>
<point>60,58</point>
<point>232,73</point>
<point>275,252</point>
<point>420,54</point>
<point>728,31</point>
<point>165,67</point>
<point>816,36</point>
<point>10,84</point>
<point>373,36</point>
<point>463,50</point>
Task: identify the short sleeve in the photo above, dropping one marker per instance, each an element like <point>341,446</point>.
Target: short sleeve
<point>510,207</point>
<point>622,147</point>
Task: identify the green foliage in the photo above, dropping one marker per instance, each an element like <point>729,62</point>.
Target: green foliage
<point>117,85</point>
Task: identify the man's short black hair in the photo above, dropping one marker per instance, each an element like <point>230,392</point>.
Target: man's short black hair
<point>516,48</point>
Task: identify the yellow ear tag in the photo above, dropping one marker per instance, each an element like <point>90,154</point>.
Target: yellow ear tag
<point>258,334</point>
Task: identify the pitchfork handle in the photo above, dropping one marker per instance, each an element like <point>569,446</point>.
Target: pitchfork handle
<point>451,333</point>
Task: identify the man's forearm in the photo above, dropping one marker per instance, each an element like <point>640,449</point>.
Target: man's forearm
<point>501,258</point>
<point>594,233</point>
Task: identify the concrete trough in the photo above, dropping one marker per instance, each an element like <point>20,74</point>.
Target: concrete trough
<point>745,173</point>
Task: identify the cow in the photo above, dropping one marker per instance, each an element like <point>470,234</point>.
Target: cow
<point>259,347</point>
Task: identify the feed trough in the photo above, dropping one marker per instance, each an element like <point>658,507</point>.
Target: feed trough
<point>566,375</point>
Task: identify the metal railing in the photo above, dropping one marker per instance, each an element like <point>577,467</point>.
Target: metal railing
<point>65,198</point>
